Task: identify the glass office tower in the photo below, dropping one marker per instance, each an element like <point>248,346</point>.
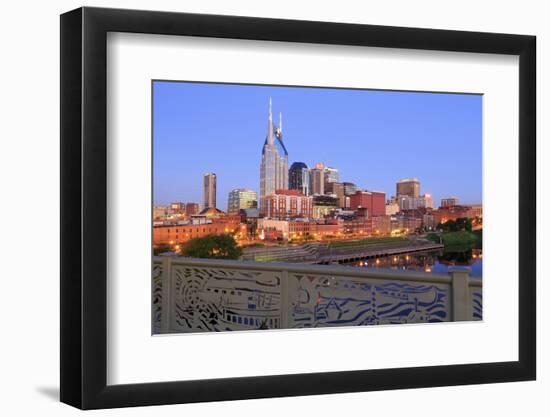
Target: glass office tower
<point>298,177</point>
<point>274,164</point>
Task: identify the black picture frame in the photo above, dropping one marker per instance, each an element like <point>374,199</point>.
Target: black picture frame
<point>84,207</point>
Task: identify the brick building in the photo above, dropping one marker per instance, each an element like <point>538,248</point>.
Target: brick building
<point>373,201</point>
<point>288,204</point>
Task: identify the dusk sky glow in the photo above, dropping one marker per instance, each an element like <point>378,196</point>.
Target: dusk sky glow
<point>374,138</point>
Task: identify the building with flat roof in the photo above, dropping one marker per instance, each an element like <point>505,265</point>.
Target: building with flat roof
<point>192,209</point>
<point>241,198</point>
<point>323,205</point>
<point>373,201</point>
<point>413,203</point>
<point>298,178</point>
<point>317,179</point>
<point>285,204</point>
<point>337,189</point>
<point>449,202</point>
<point>444,214</point>
<point>408,187</point>
<point>178,234</point>
<point>331,175</point>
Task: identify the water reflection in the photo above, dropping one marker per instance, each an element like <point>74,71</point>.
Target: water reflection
<point>433,261</point>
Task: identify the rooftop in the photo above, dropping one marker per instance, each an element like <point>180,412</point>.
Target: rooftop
<point>289,192</point>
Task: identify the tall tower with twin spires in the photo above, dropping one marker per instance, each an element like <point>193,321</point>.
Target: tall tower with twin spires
<point>274,163</point>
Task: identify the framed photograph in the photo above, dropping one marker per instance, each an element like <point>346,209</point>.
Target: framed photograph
<point>257,208</point>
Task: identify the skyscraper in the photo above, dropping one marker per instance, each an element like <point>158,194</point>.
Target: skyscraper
<point>241,198</point>
<point>298,177</point>
<point>209,190</point>
<point>274,164</point>
<point>317,179</point>
<point>408,187</point>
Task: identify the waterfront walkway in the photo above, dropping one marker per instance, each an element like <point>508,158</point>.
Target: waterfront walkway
<point>339,251</point>
<point>329,256</point>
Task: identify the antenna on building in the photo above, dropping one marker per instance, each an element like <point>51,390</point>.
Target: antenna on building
<point>281,122</point>
<point>270,115</point>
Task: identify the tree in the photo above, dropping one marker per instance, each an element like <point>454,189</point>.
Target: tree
<point>460,224</point>
<point>162,248</point>
<point>212,246</point>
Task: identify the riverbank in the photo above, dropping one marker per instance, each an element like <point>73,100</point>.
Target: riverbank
<point>461,238</point>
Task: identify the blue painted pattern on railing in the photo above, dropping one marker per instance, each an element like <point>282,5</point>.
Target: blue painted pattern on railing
<point>477,305</point>
<point>347,302</point>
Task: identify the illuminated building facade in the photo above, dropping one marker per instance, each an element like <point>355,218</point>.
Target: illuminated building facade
<point>209,190</point>
<point>285,204</point>
<point>241,198</point>
<point>317,179</point>
<point>409,187</point>
<point>406,202</point>
<point>177,234</point>
<point>323,205</point>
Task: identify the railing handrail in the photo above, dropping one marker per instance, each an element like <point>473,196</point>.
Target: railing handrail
<point>346,271</point>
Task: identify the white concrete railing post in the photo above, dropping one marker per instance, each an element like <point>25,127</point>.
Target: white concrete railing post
<point>460,289</point>
<point>285,301</point>
<point>167,305</point>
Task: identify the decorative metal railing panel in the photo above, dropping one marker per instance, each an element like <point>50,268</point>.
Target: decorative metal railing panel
<point>323,301</point>
<point>214,295</point>
<point>157,297</point>
<point>476,298</point>
<point>214,299</point>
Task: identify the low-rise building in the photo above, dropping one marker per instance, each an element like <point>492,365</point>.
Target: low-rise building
<point>358,226</point>
<point>428,220</point>
<point>178,234</point>
<point>192,209</point>
<point>324,205</point>
<point>159,212</point>
<point>449,202</point>
<point>444,214</point>
<point>297,229</point>
<point>381,225</point>
<point>210,221</point>
<point>392,208</point>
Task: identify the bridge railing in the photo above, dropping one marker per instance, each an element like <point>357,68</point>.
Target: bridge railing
<point>195,295</point>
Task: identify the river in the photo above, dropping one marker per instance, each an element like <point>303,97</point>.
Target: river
<point>433,261</point>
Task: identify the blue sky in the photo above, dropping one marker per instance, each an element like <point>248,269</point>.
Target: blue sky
<point>373,137</point>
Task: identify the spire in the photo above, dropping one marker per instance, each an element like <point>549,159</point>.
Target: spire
<point>270,125</point>
<point>281,122</point>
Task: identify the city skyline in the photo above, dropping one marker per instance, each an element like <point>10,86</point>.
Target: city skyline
<point>187,115</point>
